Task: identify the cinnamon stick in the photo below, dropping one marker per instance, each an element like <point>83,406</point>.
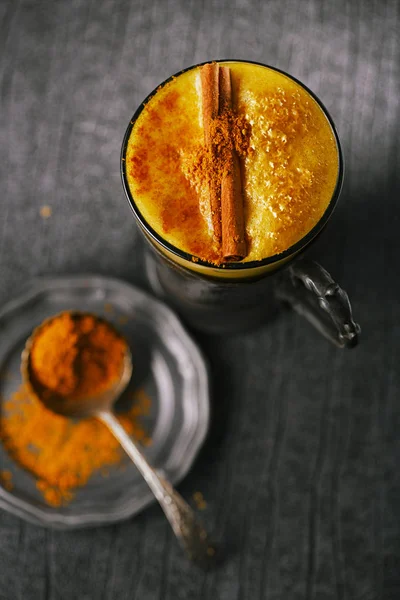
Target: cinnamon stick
<point>232,213</point>
<point>210,97</point>
<point>210,104</point>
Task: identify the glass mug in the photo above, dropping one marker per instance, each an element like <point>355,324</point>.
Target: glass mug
<point>236,297</point>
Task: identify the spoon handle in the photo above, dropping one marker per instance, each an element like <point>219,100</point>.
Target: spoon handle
<point>190,533</point>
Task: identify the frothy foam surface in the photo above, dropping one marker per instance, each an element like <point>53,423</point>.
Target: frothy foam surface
<point>289,174</point>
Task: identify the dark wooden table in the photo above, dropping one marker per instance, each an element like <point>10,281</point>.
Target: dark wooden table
<point>301,469</point>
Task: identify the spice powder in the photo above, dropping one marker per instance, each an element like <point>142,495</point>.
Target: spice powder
<point>61,454</point>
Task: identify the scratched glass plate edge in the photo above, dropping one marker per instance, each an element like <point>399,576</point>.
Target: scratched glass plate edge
<point>171,333</point>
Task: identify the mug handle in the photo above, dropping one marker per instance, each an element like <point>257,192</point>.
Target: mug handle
<point>312,293</point>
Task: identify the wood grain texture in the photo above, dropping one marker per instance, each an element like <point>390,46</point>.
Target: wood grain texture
<point>301,469</point>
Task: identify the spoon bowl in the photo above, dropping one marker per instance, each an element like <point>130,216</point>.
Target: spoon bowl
<point>75,407</point>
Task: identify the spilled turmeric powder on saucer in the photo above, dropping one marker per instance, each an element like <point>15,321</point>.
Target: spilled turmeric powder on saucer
<point>72,355</point>
<point>60,453</point>
<point>6,479</point>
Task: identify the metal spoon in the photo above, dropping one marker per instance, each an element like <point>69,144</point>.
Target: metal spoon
<point>190,533</point>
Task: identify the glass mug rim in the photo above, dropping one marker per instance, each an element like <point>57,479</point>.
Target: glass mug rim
<point>282,257</point>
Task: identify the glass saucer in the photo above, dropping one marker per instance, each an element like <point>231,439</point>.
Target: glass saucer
<point>168,366</point>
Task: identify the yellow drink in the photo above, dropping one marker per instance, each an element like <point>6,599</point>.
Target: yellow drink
<point>288,176</point>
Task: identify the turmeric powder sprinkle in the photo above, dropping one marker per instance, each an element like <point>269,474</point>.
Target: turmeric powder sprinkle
<point>61,454</point>
<point>6,480</point>
<point>201,504</point>
<point>45,211</point>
